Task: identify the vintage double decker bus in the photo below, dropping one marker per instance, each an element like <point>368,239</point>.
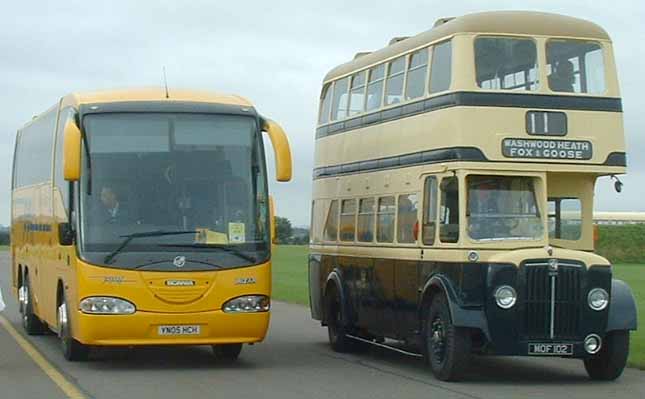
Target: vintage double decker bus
<point>453,195</point>
<point>142,217</point>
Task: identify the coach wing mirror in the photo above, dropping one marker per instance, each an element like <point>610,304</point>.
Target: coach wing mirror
<point>72,152</point>
<point>618,185</point>
<point>280,148</point>
<point>65,234</point>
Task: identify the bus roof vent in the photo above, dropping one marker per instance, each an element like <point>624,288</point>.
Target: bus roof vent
<point>362,54</point>
<point>397,39</point>
<point>442,21</point>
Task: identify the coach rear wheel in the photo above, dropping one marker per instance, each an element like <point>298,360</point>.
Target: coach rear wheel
<point>447,347</point>
<point>227,352</point>
<point>72,349</point>
<point>336,328</point>
<point>609,363</point>
<point>30,322</point>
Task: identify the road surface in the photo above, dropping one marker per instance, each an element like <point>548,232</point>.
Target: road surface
<point>294,362</point>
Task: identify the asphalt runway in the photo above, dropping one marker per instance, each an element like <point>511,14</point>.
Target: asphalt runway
<point>295,361</point>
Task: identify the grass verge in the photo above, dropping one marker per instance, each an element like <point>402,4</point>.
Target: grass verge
<point>290,284</point>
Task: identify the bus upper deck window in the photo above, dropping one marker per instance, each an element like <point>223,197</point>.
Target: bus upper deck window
<point>394,84</point>
<point>575,66</point>
<point>375,87</point>
<point>441,67</point>
<point>357,94</point>
<point>325,102</point>
<point>503,63</point>
<point>340,99</point>
<point>417,71</point>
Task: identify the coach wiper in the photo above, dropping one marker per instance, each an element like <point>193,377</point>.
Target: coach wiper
<point>157,233</point>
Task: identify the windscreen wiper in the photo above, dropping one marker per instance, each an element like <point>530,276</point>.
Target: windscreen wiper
<point>224,248</point>
<point>157,233</point>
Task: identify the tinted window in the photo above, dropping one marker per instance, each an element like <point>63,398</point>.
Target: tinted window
<point>385,220</point>
<point>449,211</point>
<point>375,87</point>
<point>575,66</point>
<point>347,220</point>
<point>394,85</point>
<point>366,220</point>
<point>506,63</point>
<point>417,71</point>
<point>34,158</point>
<point>430,211</point>
<point>407,218</point>
<point>441,70</point>
<point>357,94</point>
<point>340,99</point>
<point>325,103</point>
<point>331,225</point>
<point>565,218</point>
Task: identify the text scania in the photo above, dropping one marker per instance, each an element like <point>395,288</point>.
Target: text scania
<point>547,149</point>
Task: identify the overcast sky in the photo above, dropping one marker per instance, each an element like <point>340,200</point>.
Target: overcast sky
<point>274,53</point>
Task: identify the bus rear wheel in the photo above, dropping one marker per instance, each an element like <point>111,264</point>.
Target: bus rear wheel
<point>336,329</point>
<point>227,352</point>
<point>72,349</point>
<point>447,347</point>
<point>30,322</point>
<point>610,362</point>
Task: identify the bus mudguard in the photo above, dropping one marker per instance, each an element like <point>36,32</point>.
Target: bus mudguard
<point>461,316</point>
<point>622,307</point>
<point>335,277</point>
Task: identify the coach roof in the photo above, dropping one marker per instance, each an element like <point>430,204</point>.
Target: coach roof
<point>509,22</point>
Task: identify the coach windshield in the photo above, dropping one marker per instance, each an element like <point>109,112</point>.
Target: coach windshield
<point>163,184</point>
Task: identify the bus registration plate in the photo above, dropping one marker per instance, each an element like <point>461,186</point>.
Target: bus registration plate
<point>179,330</point>
<point>550,349</point>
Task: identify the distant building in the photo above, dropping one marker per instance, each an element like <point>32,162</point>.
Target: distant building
<point>618,218</point>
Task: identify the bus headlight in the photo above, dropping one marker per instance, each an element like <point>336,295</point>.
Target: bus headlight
<point>106,305</point>
<point>598,299</point>
<point>505,296</point>
<point>248,304</point>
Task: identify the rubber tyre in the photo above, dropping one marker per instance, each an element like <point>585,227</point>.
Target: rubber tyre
<point>227,352</point>
<point>336,328</point>
<point>609,363</point>
<point>447,348</point>
<point>30,322</point>
<point>73,350</point>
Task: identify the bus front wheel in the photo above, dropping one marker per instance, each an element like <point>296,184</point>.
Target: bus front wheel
<point>30,322</point>
<point>72,349</point>
<point>447,347</point>
<point>609,363</point>
<point>227,352</point>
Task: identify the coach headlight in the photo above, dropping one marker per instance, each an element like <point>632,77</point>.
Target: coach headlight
<point>505,296</point>
<point>106,305</point>
<point>598,299</point>
<point>248,304</point>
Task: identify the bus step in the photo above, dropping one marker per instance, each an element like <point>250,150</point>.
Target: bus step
<point>392,348</point>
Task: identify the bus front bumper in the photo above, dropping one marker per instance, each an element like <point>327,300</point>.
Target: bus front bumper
<point>148,328</point>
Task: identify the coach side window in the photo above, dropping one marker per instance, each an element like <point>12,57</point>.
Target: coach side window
<point>331,225</point>
<point>325,103</point>
<point>385,219</point>
<point>394,84</point>
<point>340,99</point>
<point>366,220</point>
<point>417,71</point>
<point>407,218</point>
<point>430,211</point>
<point>347,219</point>
<point>441,68</point>
<point>357,94</point>
<point>449,211</point>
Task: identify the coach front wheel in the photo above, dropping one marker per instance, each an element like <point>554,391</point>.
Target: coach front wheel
<point>608,364</point>
<point>72,349</point>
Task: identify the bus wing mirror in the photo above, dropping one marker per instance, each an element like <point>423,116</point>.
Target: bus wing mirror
<point>72,152</point>
<point>280,148</point>
<point>65,234</point>
<point>272,216</point>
